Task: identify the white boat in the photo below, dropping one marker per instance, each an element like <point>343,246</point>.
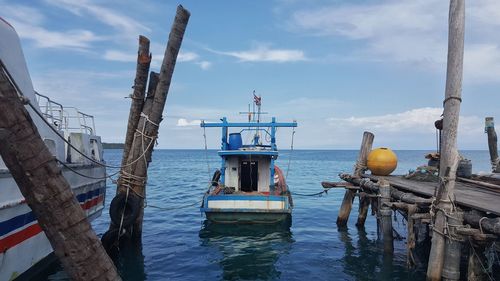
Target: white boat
<point>23,245</point>
<point>248,187</point>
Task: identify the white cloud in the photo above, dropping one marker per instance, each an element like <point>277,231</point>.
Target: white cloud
<point>125,24</point>
<point>263,53</point>
<point>187,56</point>
<point>28,23</point>
<point>415,121</point>
<point>115,55</point>
<point>43,38</point>
<point>184,56</point>
<point>204,64</point>
<point>413,32</point>
<point>182,122</point>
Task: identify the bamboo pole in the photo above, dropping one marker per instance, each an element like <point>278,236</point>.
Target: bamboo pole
<point>48,193</point>
<point>140,81</point>
<point>492,144</point>
<point>449,153</point>
<point>149,122</point>
<point>345,208</point>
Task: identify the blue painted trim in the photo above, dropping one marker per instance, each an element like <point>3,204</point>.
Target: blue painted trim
<point>248,152</point>
<point>27,218</point>
<point>247,125</point>
<point>246,197</point>
<point>16,222</point>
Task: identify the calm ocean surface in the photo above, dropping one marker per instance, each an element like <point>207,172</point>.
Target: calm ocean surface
<point>180,245</point>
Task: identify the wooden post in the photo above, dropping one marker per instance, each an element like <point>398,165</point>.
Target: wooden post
<point>364,204</point>
<point>492,144</point>
<point>385,216</point>
<point>141,79</point>
<point>345,208</point>
<point>449,154</point>
<point>453,247</point>
<point>142,146</point>
<point>48,193</point>
<point>411,239</point>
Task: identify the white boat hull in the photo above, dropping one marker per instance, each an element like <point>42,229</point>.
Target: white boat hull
<point>22,241</point>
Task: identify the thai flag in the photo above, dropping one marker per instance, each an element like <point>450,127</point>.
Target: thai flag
<point>257,99</point>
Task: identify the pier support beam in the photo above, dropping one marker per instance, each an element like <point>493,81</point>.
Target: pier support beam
<point>449,154</point>
<point>47,192</point>
<point>345,208</point>
<point>385,216</point>
<point>489,127</point>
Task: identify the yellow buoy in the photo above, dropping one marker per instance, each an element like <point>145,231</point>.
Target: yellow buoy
<point>382,161</point>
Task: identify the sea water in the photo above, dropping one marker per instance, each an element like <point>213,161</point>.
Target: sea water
<point>178,244</point>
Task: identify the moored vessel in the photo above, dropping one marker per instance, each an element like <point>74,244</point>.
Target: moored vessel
<point>249,187</point>
<point>71,138</point>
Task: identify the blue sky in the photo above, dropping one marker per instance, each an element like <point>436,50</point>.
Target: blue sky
<point>337,67</point>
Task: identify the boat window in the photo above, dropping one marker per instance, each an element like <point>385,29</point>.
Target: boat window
<point>249,176</point>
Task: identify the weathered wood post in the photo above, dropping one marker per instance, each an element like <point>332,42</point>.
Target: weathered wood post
<point>142,146</point>
<point>48,193</point>
<point>137,97</point>
<point>385,215</point>
<point>364,204</point>
<point>449,154</point>
<point>453,247</point>
<point>489,127</point>
<point>345,208</point>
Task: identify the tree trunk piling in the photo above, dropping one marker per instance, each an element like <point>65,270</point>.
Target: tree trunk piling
<point>47,192</point>
<point>134,176</point>
<point>140,81</point>
<point>449,153</point>
<point>345,209</point>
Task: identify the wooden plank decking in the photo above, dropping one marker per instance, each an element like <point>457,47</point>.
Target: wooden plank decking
<point>467,194</point>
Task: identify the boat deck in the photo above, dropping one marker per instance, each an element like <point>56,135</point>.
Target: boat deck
<point>468,195</point>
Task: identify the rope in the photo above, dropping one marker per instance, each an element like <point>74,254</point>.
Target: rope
<point>312,194</point>
<point>175,208</point>
<point>480,224</point>
<point>291,153</point>
<point>451,98</point>
<point>73,147</point>
<point>479,260</point>
<point>123,215</point>
<point>85,176</point>
<point>28,102</point>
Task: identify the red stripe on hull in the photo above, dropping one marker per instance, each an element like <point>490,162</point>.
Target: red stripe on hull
<point>16,238</point>
<point>32,230</point>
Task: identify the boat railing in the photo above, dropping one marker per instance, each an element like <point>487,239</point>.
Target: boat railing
<point>51,110</point>
<point>65,118</point>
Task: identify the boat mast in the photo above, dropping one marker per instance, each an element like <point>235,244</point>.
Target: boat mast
<point>257,102</point>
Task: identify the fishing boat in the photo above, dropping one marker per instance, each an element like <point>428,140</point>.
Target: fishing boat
<point>249,187</point>
<point>24,247</point>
